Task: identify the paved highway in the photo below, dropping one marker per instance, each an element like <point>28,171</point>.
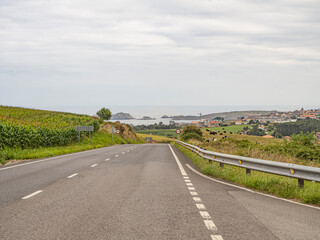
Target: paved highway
<point>139,192</point>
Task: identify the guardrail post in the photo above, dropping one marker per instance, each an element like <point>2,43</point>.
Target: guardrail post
<point>221,165</point>
<point>300,183</point>
<point>248,171</point>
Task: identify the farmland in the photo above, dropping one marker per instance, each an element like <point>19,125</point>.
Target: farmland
<point>232,128</point>
<point>160,132</point>
<point>29,128</point>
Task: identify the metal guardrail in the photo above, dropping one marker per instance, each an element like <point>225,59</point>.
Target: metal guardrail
<point>279,168</point>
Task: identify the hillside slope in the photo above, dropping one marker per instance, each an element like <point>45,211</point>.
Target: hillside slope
<point>30,128</point>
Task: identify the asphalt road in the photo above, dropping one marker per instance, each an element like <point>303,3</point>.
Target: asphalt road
<point>138,192</point>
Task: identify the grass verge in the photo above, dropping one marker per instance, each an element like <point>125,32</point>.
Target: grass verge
<point>98,140</point>
<point>280,186</point>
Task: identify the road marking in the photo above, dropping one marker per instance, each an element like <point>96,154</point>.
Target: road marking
<point>205,215</point>
<point>249,190</point>
<point>186,177</point>
<point>197,199</point>
<point>183,172</point>
<point>94,165</point>
<point>123,152</point>
<point>194,193</point>
<point>32,194</point>
<point>210,225</point>
<point>200,206</point>
<point>107,159</point>
<point>187,180</point>
<point>73,175</point>
<point>48,159</point>
<point>117,155</point>
<point>189,184</point>
<point>191,188</point>
<point>216,237</point>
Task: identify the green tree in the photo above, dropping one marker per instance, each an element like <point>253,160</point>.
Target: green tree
<point>104,113</point>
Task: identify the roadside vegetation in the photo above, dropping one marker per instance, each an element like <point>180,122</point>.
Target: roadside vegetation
<point>280,186</point>
<point>31,134</point>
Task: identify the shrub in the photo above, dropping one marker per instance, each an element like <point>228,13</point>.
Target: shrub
<point>188,136</point>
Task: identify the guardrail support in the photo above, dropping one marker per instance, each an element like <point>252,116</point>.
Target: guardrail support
<point>248,171</point>
<point>221,165</point>
<point>300,183</point>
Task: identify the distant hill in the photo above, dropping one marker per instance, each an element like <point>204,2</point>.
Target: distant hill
<point>228,116</point>
<point>121,116</point>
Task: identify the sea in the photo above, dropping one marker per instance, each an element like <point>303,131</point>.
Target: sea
<point>158,111</point>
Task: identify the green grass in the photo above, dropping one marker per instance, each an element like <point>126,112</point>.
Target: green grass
<point>160,132</point>
<point>98,140</point>
<point>232,128</point>
<point>280,186</point>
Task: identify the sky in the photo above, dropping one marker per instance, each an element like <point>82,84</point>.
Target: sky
<point>63,53</point>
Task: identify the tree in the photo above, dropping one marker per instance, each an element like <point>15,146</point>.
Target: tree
<point>104,114</point>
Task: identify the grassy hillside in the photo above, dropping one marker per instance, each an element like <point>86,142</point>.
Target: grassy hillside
<point>31,134</point>
<point>30,128</point>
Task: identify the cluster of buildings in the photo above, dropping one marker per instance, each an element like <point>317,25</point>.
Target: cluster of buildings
<point>282,117</point>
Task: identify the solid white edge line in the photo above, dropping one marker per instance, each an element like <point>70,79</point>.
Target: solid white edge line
<point>183,172</point>
<point>94,165</point>
<point>32,194</point>
<point>47,159</point>
<point>73,175</point>
<point>249,190</point>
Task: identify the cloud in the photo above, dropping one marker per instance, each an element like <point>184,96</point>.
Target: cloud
<point>176,44</point>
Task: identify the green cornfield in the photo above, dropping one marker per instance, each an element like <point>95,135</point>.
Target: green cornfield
<point>29,128</point>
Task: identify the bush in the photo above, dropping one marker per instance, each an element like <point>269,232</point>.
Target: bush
<point>191,129</point>
<point>188,136</point>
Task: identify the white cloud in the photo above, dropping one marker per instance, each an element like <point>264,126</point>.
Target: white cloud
<point>177,44</point>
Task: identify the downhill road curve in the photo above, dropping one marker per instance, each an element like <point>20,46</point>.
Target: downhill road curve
<point>147,191</point>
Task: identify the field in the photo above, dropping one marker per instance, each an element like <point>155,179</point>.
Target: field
<point>158,139</point>
<point>29,128</point>
<point>160,132</point>
<point>232,128</point>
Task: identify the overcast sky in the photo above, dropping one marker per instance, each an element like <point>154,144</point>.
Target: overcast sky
<point>159,52</point>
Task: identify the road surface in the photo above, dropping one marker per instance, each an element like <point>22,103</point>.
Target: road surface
<point>147,191</point>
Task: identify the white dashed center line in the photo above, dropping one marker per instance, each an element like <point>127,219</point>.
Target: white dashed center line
<point>107,159</point>
<point>32,194</point>
<point>94,165</point>
<point>117,155</point>
<point>73,175</point>
<point>216,237</point>
<point>210,225</point>
<point>205,215</point>
<point>189,184</point>
<point>197,199</point>
<point>200,206</point>
<point>194,193</point>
